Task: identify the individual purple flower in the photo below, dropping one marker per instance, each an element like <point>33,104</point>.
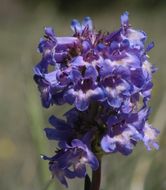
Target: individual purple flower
<point>115,80</point>
<point>124,131</point>
<point>86,89</point>
<point>71,160</point>
<point>61,131</point>
<point>149,137</point>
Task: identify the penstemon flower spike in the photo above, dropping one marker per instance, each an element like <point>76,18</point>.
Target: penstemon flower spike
<point>107,77</point>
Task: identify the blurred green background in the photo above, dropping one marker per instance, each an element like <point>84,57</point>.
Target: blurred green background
<point>22,117</point>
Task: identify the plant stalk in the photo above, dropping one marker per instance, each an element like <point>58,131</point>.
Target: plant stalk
<point>96,178</point>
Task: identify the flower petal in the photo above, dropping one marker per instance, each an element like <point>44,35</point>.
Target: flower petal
<point>87,22</point>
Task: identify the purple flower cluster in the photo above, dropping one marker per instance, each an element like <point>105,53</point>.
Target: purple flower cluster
<point>107,77</point>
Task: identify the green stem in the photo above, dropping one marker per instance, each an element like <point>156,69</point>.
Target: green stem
<point>96,178</point>
<point>48,184</point>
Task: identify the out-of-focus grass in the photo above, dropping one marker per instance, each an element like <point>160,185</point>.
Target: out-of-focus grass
<point>36,129</point>
<point>22,117</point>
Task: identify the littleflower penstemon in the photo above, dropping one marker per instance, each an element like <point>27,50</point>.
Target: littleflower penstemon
<point>107,77</point>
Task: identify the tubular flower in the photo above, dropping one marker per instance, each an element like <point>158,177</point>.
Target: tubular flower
<point>70,161</point>
<point>107,78</point>
<point>124,131</point>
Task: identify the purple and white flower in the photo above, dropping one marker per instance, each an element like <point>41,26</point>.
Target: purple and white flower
<point>71,160</point>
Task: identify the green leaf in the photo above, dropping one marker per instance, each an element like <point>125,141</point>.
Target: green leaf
<point>87,184</point>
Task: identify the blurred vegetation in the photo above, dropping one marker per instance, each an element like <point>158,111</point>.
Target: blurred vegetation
<point>22,117</point>
<point>67,7</point>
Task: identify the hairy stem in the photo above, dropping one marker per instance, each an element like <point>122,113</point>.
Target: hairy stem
<point>96,178</point>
